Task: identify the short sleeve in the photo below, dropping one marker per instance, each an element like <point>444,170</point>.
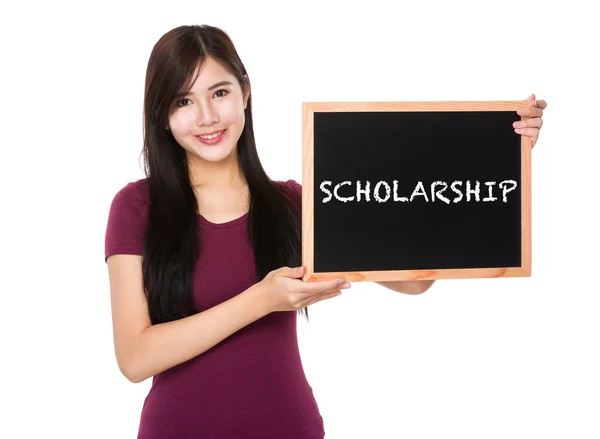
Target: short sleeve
<point>126,225</point>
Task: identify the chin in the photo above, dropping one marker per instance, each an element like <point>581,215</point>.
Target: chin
<point>210,153</point>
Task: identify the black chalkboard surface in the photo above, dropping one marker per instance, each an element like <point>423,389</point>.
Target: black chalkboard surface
<point>415,190</point>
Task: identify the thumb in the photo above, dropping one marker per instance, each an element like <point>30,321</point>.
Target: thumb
<point>299,271</point>
<point>531,97</point>
<point>293,272</point>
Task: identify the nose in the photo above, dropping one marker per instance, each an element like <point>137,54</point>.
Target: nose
<point>207,114</point>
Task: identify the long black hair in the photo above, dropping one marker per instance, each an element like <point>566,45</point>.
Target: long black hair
<point>172,244</point>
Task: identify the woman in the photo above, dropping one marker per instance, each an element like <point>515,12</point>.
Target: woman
<point>203,258</point>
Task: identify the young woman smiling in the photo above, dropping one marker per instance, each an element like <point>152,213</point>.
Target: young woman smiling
<point>204,258</point>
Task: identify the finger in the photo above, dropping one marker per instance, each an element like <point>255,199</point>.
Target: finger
<point>537,103</point>
<point>294,272</point>
<point>533,133</point>
<point>535,122</point>
<point>323,286</point>
<point>532,101</point>
<point>328,294</point>
<point>324,296</point>
<point>528,132</point>
<point>531,111</point>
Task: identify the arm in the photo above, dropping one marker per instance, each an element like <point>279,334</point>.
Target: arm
<point>143,349</point>
<point>408,286</point>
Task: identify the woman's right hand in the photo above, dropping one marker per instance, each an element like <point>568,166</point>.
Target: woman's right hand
<point>283,291</point>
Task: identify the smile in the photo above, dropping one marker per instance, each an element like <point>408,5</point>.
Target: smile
<point>212,138</point>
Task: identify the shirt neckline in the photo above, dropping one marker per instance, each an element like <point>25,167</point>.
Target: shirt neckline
<point>224,225</point>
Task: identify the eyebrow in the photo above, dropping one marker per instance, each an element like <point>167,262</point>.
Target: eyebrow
<point>212,87</point>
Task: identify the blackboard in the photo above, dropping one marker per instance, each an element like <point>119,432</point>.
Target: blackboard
<point>415,190</point>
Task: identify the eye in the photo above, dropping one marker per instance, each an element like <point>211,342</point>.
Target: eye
<point>180,103</point>
<point>219,91</point>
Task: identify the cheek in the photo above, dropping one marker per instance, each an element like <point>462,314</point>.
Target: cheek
<point>181,123</point>
<point>233,112</point>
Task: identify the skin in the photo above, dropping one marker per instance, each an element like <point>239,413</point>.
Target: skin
<point>215,173</point>
<point>531,127</point>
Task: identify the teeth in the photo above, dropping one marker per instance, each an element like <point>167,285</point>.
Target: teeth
<point>212,136</point>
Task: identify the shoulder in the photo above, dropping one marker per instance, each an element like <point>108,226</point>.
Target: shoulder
<point>292,191</point>
<point>291,186</point>
<point>132,196</point>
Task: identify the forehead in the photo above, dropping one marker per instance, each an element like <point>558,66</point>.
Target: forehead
<point>210,72</point>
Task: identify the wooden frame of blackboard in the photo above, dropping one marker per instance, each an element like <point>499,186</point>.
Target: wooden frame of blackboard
<point>308,111</point>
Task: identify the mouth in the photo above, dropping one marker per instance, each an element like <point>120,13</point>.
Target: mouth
<point>212,137</point>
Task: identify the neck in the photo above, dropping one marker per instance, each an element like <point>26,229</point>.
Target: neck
<point>225,174</point>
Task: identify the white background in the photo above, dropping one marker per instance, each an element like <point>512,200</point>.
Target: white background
<point>487,358</point>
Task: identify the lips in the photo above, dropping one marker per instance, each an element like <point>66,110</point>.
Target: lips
<point>212,137</point>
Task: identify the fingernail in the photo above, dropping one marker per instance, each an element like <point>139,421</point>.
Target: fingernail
<point>340,281</point>
<point>518,130</point>
<point>346,285</point>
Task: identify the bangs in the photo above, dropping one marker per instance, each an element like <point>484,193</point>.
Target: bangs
<point>188,72</point>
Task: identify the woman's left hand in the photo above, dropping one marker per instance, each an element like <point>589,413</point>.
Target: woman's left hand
<point>531,127</point>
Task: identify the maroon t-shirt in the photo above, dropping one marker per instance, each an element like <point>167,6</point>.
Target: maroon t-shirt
<point>251,385</point>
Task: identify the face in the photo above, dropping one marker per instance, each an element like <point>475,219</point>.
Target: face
<point>208,121</point>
